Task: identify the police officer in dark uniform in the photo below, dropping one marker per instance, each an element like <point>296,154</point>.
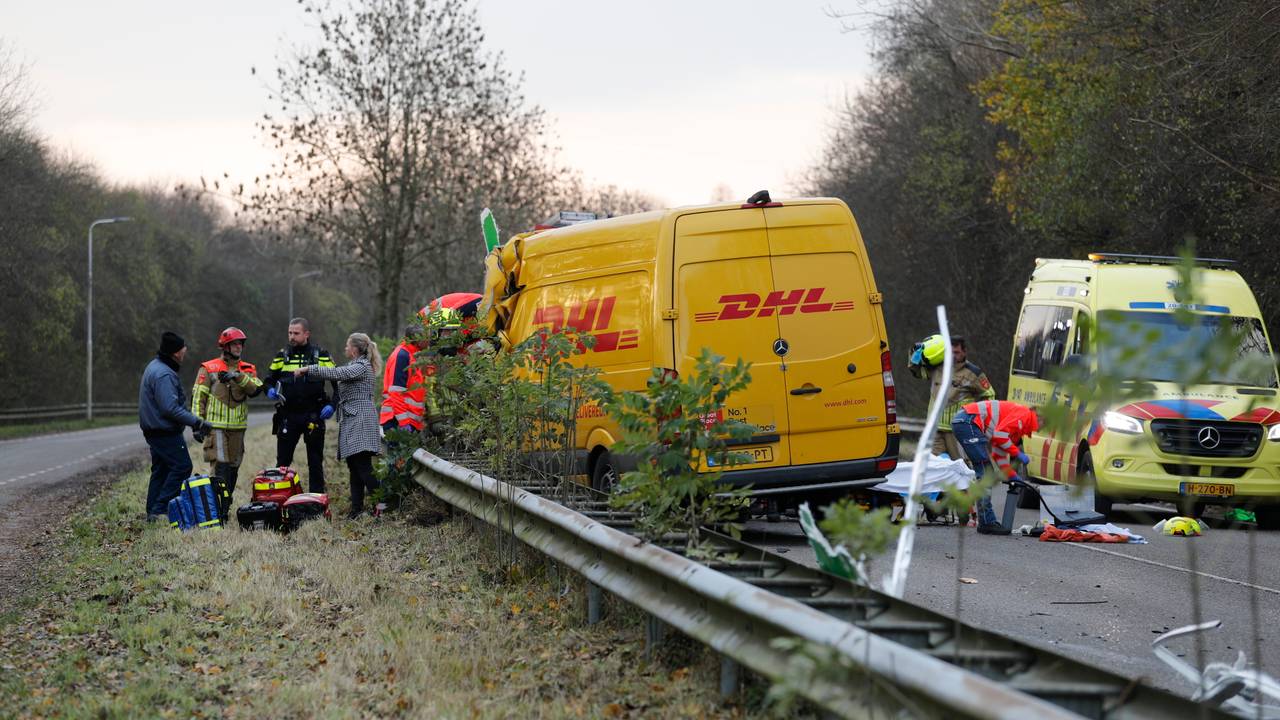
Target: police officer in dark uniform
<point>302,405</point>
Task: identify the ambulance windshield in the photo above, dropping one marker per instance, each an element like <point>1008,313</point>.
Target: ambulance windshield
<point>1171,352</point>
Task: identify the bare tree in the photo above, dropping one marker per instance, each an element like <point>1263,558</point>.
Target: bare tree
<point>395,130</point>
<point>15,92</point>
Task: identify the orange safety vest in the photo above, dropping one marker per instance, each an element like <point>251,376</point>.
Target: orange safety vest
<point>404,389</point>
<point>232,414</point>
<point>1005,424</point>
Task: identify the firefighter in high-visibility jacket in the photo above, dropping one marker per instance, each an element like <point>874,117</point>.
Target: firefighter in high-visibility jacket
<point>968,384</point>
<point>222,390</point>
<point>404,387</point>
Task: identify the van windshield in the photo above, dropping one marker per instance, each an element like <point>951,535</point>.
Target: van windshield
<point>1165,340</point>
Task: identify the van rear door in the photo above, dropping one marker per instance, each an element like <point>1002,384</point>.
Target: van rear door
<point>834,376</point>
<point>722,278</point>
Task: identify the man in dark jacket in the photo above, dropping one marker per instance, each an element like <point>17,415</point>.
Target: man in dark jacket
<point>302,405</point>
<point>163,415</point>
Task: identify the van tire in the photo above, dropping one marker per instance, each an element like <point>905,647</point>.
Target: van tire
<point>1085,474</point>
<point>1268,517</point>
<point>604,474</point>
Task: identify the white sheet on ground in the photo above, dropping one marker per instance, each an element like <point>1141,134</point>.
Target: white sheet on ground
<point>1113,529</point>
<point>939,473</point>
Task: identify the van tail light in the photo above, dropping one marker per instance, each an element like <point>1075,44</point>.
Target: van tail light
<point>890,392</point>
<point>670,374</point>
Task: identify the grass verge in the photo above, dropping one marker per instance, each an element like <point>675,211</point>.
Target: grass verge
<point>13,432</point>
<point>370,618</point>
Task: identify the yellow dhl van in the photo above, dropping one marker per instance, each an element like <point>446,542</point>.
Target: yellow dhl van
<point>784,285</point>
<point>1227,432</point>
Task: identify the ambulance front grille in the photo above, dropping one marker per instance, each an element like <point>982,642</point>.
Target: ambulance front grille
<point>1207,438</point>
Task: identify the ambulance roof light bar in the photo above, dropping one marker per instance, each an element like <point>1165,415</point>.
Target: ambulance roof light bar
<point>1129,258</point>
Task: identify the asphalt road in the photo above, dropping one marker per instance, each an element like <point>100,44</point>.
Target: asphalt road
<point>1102,603</point>
<point>44,460</point>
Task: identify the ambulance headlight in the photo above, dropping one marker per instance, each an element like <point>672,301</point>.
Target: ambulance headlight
<point>1118,422</point>
<point>1274,433</point>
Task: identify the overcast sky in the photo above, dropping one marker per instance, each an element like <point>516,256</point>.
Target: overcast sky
<point>670,98</point>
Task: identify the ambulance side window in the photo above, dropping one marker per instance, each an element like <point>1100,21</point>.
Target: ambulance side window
<point>1042,339</point>
<point>1081,344</point>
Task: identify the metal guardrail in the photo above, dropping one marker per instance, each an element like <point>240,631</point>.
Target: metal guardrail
<point>895,654</point>
<point>60,411</point>
<point>911,426</point>
<point>53,412</point>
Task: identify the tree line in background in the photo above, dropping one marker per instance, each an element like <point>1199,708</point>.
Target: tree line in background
<point>999,131</point>
<point>995,132</point>
<point>395,129</point>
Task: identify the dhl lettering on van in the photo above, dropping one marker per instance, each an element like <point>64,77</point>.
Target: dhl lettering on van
<point>589,318</point>
<point>785,302</point>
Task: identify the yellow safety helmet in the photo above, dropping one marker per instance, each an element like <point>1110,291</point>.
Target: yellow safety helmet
<point>445,318</point>
<point>1184,526</point>
<point>933,350</point>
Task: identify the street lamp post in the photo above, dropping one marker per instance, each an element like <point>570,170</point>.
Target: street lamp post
<point>312,273</point>
<point>88,335</point>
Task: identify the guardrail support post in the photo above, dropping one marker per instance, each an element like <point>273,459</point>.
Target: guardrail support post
<point>595,603</point>
<point>730,677</point>
<point>654,629</point>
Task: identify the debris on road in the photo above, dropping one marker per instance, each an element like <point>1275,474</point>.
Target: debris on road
<point>1248,691</point>
<point>1240,515</point>
<point>1090,534</point>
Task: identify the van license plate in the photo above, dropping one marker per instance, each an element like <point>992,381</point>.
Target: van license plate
<point>1209,489</point>
<point>747,456</point>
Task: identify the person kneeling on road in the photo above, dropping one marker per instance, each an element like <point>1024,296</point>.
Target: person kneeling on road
<point>989,432</point>
<point>163,415</point>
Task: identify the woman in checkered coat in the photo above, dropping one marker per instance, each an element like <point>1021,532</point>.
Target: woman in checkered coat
<point>358,436</point>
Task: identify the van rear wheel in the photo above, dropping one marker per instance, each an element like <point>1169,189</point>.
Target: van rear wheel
<point>604,476</point>
<point>1086,476</point>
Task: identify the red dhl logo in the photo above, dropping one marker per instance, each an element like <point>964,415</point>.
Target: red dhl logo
<point>783,302</point>
<point>589,318</point>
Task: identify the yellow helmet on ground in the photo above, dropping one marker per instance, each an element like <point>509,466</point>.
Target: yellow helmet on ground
<point>1179,525</point>
<point>934,350</point>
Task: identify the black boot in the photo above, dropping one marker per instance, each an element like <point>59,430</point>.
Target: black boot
<point>227,475</point>
<point>357,500</point>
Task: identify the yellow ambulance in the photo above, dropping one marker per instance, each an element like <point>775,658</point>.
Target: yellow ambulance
<point>784,285</point>
<point>1226,432</point>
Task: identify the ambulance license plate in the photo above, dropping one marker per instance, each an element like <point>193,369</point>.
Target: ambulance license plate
<point>747,456</point>
<point>1207,489</point>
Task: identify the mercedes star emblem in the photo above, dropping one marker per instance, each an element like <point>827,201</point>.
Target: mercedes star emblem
<point>781,347</point>
<point>1209,437</point>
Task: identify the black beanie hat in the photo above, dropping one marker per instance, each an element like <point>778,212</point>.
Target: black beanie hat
<point>171,343</point>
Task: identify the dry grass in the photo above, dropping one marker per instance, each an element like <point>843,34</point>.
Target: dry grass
<point>371,618</point>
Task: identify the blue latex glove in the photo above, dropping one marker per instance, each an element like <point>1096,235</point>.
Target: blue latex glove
<point>271,393</point>
<point>326,412</point>
<point>917,356</point>
<point>1022,458</point>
